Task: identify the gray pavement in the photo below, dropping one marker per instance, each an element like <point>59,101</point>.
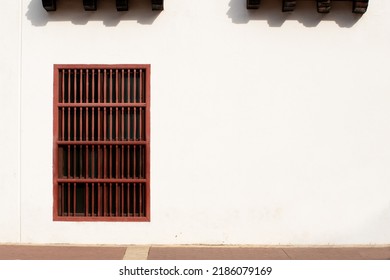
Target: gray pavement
<point>155,252</point>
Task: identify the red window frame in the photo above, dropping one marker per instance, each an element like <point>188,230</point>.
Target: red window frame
<point>101,142</point>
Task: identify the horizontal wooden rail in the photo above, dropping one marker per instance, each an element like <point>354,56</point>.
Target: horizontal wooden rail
<point>89,180</point>
<point>93,105</point>
<point>111,143</point>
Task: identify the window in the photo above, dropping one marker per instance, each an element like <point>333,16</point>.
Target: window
<point>101,143</point>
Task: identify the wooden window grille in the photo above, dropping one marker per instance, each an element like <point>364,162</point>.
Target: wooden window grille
<point>101,143</point>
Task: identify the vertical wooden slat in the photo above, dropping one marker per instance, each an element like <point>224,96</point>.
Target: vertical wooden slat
<point>136,212</point>
<point>122,130</point>
<point>80,160</point>
<point>69,125</point>
<point>61,98</point>
<point>87,91</point>
<point>122,198</point>
<point>128,199</point>
<point>70,96</point>
<point>93,124</point>
<point>93,161</point>
<point>104,161</point>
<point>136,86</point>
<point>110,88</point>
<point>129,123</point>
<point>104,200</point>
<point>127,92</point>
<point>87,152</point>
<point>68,158</point>
<point>128,138</point>
<point>74,85</point>
<point>74,161</point>
<point>93,73</point>
<point>81,124</point>
<point>117,201</point>
<point>93,200</point>
<point>110,125</point>
<point>61,86</point>
<point>141,124</point>
<point>117,86</point>
<point>99,130</point>
<point>104,86</point>
<point>141,88</point>
<point>88,122</point>
<point>135,161</point>
<point>104,121</point>
<point>69,200</point>
<point>117,162</point>
<point>99,176</point>
<point>82,92</point>
<point>110,200</point>
<point>140,155</point>
<point>99,200</point>
<point>131,88</point>
<point>134,123</point>
<point>80,102</point>
<point>117,175</point>
<point>86,199</point>
<point>59,199</point>
<point>63,199</point>
<point>122,175</point>
<point>117,122</point>
<point>110,159</point>
<point>123,86</point>
<point>75,157</point>
<point>62,117</point>
<point>141,198</point>
<point>74,199</point>
<point>128,162</point>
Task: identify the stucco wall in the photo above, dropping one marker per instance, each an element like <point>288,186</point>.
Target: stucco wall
<point>10,121</point>
<point>266,128</point>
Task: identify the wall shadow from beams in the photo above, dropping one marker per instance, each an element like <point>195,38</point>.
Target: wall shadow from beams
<point>73,11</point>
<point>305,13</point>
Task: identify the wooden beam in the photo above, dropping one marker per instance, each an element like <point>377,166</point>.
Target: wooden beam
<point>157,5</point>
<point>323,6</point>
<point>90,5</point>
<point>49,5</point>
<point>289,5</point>
<point>122,5</point>
<point>252,4</point>
<point>359,6</point>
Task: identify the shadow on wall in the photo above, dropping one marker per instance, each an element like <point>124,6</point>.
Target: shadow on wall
<point>73,11</point>
<point>305,13</point>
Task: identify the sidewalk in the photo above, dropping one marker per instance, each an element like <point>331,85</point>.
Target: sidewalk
<point>71,252</point>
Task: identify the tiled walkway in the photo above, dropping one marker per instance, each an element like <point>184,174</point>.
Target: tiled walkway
<point>32,252</point>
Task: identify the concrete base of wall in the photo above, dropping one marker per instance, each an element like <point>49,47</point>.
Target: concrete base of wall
<point>29,252</point>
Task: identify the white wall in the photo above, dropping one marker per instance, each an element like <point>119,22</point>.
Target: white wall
<point>267,128</point>
<point>10,121</point>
